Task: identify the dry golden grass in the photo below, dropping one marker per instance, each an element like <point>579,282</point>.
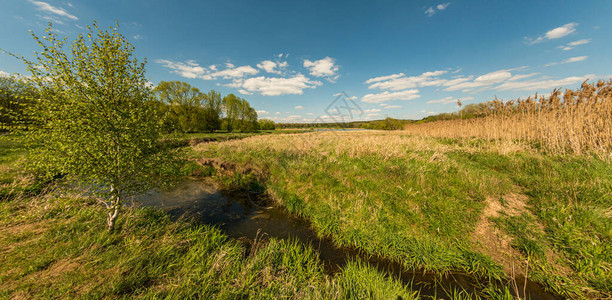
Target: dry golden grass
<point>579,121</point>
<point>355,144</point>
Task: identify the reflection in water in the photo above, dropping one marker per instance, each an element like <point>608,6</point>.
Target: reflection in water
<point>240,218</point>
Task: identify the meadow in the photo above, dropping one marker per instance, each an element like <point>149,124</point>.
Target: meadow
<point>54,244</point>
<point>514,194</point>
<point>491,208</point>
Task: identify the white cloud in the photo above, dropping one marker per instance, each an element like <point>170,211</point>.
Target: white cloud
<point>385,78</point>
<point>567,61</point>
<point>244,92</point>
<point>262,112</point>
<point>46,7</point>
<point>4,74</point>
<point>432,10</point>
<point>268,86</point>
<point>299,107</point>
<point>473,84</point>
<point>393,106</point>
<point>575,59</point>
<point>485,80</point>
<point>233,72</point>
<point>542,84</point>
<point>442,6</point>
<point>188,69</point>
<point>572,45</point>
<point>448,100</point>
<point>562,31</point>
<point>557,33</point>
<point>51,19</point>
<point>388,96</point>
<point>191,69</point>
<point>373,110</point>
<point>138,37</point>
<point>325,67</point>
<point>396,82</point>
<point>272,67</point>
<point>522,76</point>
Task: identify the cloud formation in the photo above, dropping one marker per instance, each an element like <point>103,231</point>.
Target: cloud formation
<point>571,45</point>
<point>556,33</point>
<point>271,86</point>
<point>325,67</point>
<point>500,80</point>
<point>191,69</point>
<point>432,10</point>
<point>188,69</point>
<point>58,11</point>
<point>567,61</point>
<point>272,67</point>
<point>389,96</point>
<point>400,81</point>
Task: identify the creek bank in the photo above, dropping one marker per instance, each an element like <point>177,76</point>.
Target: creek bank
<point>238,215</point>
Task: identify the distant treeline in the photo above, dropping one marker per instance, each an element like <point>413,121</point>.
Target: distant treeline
<point>470,111</point>
<point>184,108</point>
<point>386,124</point>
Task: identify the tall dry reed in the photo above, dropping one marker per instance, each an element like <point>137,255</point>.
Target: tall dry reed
<point>577,121</point>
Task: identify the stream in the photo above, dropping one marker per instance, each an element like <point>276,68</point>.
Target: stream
<point>240,218</point>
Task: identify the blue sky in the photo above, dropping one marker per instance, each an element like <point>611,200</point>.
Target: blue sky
<point>402,59</point>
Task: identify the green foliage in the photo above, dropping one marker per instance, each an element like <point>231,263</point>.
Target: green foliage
<point>386,124</point>
<point>265,124</point>
<point>239,115</point>
<point>15,96</point>
<point>93,118</point>
<point>189,109</point>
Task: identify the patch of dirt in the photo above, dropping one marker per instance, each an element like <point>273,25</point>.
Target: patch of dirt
<point>24,228</point>
<point>491,240</point>
<point>496,244</point>
<point>57,269</point>
<point>25,233</point>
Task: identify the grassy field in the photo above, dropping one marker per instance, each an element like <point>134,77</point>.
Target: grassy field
<point>491,208</point>
<point>54,244</point>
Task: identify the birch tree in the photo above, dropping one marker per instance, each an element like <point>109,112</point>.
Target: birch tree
<point>93,117</point>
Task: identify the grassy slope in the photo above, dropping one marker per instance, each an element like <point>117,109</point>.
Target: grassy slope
<point>430,202</point>
<point>54,245</point>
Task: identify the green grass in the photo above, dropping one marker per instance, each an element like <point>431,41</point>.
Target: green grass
<point>55,245</point>
<point>14,180</point>
<point>421,205</point>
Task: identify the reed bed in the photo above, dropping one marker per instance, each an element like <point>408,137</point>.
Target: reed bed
<point>576,121</point>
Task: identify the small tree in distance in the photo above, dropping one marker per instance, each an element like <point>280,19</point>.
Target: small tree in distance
<point>93,116</point>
